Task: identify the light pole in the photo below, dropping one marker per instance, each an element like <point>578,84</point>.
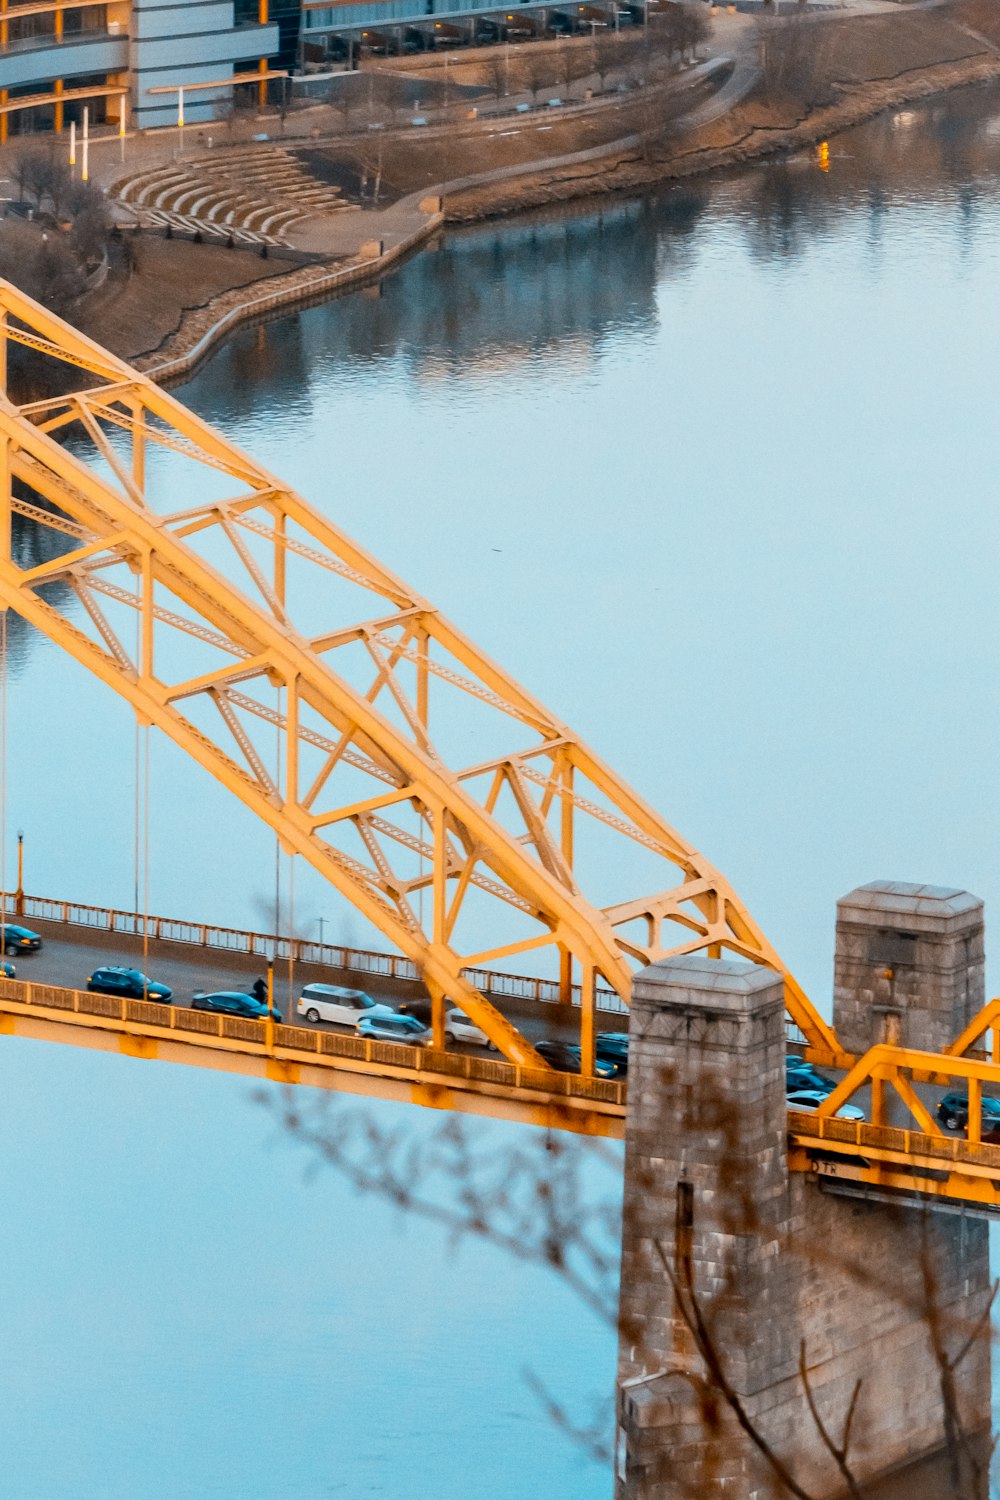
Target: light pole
<point>19,893</point>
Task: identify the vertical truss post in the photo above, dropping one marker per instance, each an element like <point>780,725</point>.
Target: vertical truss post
<point>565,975</point>
<point>566,845</point>
<point>148,616</point>
<point>714,950</point>
<point>292,743</point>
<point>422,676</point>
<point>588,992</point>
<point>138,444</point>
<point>280,557</point>
<point>5,494</point>
<point>878,1099</point>
<point>3,341</point>
<point>975,1111</point>
<point>440,921</point>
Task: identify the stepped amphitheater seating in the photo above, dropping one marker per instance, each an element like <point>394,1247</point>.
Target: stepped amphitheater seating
<point>255,196</point>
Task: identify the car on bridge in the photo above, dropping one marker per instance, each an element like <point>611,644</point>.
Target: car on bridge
<point>568,1059</point>
<point>421,1009</point>
<point>808,1101</point>
<point>131,983</point>
<point>331,1002</point>
<point>953,1112</point>
<point>459,1028</point>
<point>7,970</point>
<point>802,1075</point>
<point>395,1028</point>
<point>612,1046</point>
<point>19,939</point>
<point>233,1003</point>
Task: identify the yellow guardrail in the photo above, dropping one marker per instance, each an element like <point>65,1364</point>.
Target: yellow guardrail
<point>299,1044</point>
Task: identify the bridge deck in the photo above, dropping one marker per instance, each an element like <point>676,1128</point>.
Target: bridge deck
<point>307,1055</point>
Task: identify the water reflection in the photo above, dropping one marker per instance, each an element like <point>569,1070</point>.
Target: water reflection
<point>556,287</point>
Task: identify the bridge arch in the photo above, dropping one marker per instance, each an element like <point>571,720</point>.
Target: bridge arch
<point>197,617</point>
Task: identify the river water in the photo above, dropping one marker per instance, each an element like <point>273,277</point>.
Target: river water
<point>712,472</point>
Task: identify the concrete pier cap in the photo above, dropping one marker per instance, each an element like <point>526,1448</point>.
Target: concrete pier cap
<point>909,965</point>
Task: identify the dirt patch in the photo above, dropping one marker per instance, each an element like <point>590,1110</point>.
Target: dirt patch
<point>133,315</point>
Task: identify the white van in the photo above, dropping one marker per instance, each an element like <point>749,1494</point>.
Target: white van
<point>329,1002</point>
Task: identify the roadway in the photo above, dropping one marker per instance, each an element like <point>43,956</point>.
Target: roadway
<point>70,954</point>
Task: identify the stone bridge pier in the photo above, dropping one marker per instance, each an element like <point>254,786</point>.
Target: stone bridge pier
<point>799,1292</point>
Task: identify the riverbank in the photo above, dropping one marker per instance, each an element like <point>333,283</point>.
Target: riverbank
<point>859,66</point>
<point>899,54</point>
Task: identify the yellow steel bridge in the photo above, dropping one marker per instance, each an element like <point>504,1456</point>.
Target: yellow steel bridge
<point>197,617</point>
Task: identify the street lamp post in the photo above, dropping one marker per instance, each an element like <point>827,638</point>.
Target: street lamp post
<point>19,893</point>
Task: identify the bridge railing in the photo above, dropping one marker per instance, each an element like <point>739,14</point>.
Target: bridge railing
<point>264,946</point>
<point>894,1140</point>
<point>301,1043</point>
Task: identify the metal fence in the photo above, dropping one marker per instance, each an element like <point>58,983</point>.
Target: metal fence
<point>302,1044</point>
<point>266,946</point>
<point>910,1143</point>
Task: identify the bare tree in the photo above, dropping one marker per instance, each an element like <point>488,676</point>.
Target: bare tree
<point>23,168</point>
<point>534,72</point>
<point>605,56</point>
<point>534,1204</point>
<point>495,72</point>
<point>794,61</point>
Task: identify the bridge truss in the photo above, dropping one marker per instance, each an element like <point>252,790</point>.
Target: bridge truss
<point>436,795</point>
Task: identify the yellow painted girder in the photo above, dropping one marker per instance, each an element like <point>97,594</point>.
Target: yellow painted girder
<point>531,869</point>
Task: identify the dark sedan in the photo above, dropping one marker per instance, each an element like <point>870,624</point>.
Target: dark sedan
<point>421,1009</point>
<point>802,1075</point>
<point>567,1059</point>
<point>131,983</point>
<point>19,939</point>
<point>612,1046</point>
<point>233,1003</point>
<point>953,1112</point>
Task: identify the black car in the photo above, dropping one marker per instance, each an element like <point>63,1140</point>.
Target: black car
<point>421,1009</point>
<point>233,1003</point>
<point>19,939</point>
<point>953,1112</point>
<point>131,983</point>
<point>566,1058</point>
<point>802,1075</point>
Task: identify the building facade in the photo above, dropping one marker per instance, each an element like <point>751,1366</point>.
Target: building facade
<point>144,63</point>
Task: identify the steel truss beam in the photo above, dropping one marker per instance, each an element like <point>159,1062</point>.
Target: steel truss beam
<point>360,786</point>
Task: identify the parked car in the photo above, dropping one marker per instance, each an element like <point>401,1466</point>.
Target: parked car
<point>566,1057</point>
<point>395,1028</point>
<point>802,1075</point>
<point>128,982</point>
<point>807,1101</point>
<point>421,1009</point>
<point>19,939</point>
<point>953,1112</point>
<point>233,1003</point>
<point>331,1002</point>
<point>612,1046</point>
<point>458,1028</point>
